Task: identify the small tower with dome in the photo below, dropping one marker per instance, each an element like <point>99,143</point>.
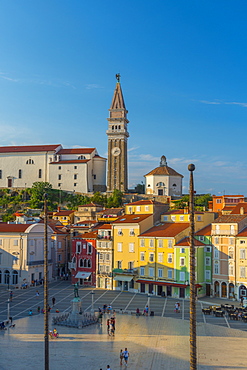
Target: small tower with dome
<point>164,181</point>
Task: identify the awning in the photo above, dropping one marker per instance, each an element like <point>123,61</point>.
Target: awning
<point>82,275</point>
<point>177,285</point>
<point>123,278</point>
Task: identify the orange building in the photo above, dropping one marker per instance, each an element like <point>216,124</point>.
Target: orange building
<point>224,203</point>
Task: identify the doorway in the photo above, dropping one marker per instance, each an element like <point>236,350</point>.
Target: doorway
<point>142,288</point>
<point>150,288</point>
<point>9,183</point>
<point>208,290</point>
<point>181,292</point>
<point>169,291</point>
<point>160,290</point>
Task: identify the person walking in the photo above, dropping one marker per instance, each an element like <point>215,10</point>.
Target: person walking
<point>108,367</point>
<point>121,355</point>
<point>37,294</point>
<point>108,325</point>
<point>10,295</point>
<point>53,301</point>
<point>126,356</point>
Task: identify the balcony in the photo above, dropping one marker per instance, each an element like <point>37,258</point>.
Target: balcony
<point>72,265</point>
<point>126,271</point>
<point>39,262</point>
<point>104,237</point>
<point>224,232</point>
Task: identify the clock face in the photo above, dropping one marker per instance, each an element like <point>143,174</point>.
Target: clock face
<point>116,151</point>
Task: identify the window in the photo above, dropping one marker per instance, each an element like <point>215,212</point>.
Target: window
<point>75,183</point>
<point>151,257</point>
<point>59,177</point>
<point>242,241</point>
<point>169,274</point>
<point>142,256</point>
<point>181,218</point>
<point>207,249</point>
<point>81,157</point>
<point>207,275</point>
<point>146,208</point>
<point>199,218</point>
<point>78,247</point>
<point>230,270</point>
<point>160,243</point>
<point>160,273</point>
<point>231,241</point>
<point>216,253</point>
<point>59,257</point>
<point>173,218</point>
<point>131,247</point>
<point>101,268</point>
<point>120,232</point>
<point>216,240</point>
<point>20,174</point>
<point>151,243</point>
<point>142,243</point>
<point>216,267</point>
<point>182,250</point>
<point>119,247</point>
<point>40,173</point>
<point>242,254</point>
<point>1,241</point>
<point>59,167</point>
<point>169,258</point>
<point>151,271</point>
<point>201,238</point>
<point>182,261</point>
<point>130,209</point>
<point>15,243</point>
<point>89,263</point>
<point>138,209</point>
<point>107,269</point>
<point>59,245</point>
<point>207,261</point>
<point>59,184</point>
<point>30,161</point>
<point>160,257</point>
<point>119,264</point>
<point>130,265</point>
<point>94,177</point>
<point>75,167</point>
<point>0,174</point>
<point>232,229</point>
<point>218,201</point>
<point>182,276</point>
<point>89,248</point>
<point>230,253</point>
<point>75,176</point>
<point>242,272</point>
<point>142,271</point>
<point>132,233</point>
<point>101,256</point>
<point>170,243</point>
<point>165,218</point>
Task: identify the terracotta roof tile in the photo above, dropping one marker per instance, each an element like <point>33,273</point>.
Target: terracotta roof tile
<point>125,219</point>
<point>63,213</point>
<point>243,232</point>
<point>204,231</point>
<point>92,235</point>
<point>144,202</point>
<point>13,228</point>
<point>236,209</point>
<point>166,230</point>
<point>76,151</point>
<point>28,148</point>
<point>105,226</point>
<point>185,242</point>
<point>229,218</point>
<point>165,171</point>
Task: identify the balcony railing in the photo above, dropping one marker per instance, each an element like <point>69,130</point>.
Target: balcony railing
<point>39,262</point>
<point>224,232</point>
<point>102,237</point>
<point>72,265</point>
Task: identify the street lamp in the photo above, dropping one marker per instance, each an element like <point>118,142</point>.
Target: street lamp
<point>8,309</point>
<point>148,304</point>
<point>193,358</point>
<point>92,309</point>
<point>46,336</point>
<point>8,276</point>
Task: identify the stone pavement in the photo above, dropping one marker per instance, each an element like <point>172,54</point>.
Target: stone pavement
<point>154,343</point>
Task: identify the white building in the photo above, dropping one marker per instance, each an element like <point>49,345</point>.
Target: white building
<point>22,253</point>
<point>164,180</point>
<point>80,170</point>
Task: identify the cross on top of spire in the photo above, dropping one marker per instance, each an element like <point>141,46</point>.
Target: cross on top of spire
<point>118,77</point>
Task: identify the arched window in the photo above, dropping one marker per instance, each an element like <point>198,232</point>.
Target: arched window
<point>119,127</point>
<point>81,157</point>
<point>85,263</point>
<point>73,260</point>
<point>15,277</point>
<point>112,127</point>
<point>29,161</point>
<point>81,262</point>
<point>6,277</point>
<point>89,264</point>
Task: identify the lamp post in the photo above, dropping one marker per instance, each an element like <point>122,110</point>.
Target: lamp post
<point>193,357</point>
<point>148,304</point>
<point>8,280</point>
<point>8,309</point>
<point>92,309</point>
<point>46,336</point>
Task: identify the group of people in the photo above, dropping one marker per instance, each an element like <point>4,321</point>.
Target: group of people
<point>53,334</point>
<point>111,325</point>
<point>124,356</point>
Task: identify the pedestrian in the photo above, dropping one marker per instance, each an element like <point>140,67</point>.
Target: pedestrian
<point>241,301</point>
<point>108,325</point>
<point>121,357</point>
<point>126,356</point>
<point>108,367</point>
<point>113,321</point>
<point>10,295</point>
<point>67,276</point>
<point>176,307</point>
<point>37,294</point>
<point>30,313</point>
<point>146,309</point>
<point>137,312</point>
<point>53,301</point>
<point>112,329</point>
<point>38,309</point>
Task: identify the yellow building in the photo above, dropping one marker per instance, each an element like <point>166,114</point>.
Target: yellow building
<point>241,265</point>
<point>182,215</point>
<point>66,217</point>
<point>126,255</point>
<point>147,206</point>
<point>156,257</point>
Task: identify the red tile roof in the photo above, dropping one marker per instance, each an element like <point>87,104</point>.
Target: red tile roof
<point>105,226</point>
<point>72,161</point>
<point>63,213</point>
<point>28,148</point>
<point>125,219</point>
<point>236,209</point>
<point>204,231</point>
<point>229,219</point>
<point>76,151</point>
<point>13,228</point>
<point>145,202</point>
<point>166,230</point>
<point>243,232</point>
<point>165,171</point>
<point>181,212</point>
<point>185,242</point>
<point>91,235</point>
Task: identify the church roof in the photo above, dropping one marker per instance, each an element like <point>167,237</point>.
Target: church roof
<point>76,151</point>
<point>28,148</point>
<point>118,100</point>
<point>164,170</point>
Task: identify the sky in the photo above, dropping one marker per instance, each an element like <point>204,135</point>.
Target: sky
<point>183,77</point>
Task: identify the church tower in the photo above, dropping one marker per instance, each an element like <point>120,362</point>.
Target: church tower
<point>117,176</point>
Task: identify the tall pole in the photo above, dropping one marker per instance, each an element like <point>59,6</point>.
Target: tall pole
<point>193,357</point>
<point>8,311</point>
<point>46,336</point>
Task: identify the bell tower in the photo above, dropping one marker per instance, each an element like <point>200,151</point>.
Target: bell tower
<point>117,175</point>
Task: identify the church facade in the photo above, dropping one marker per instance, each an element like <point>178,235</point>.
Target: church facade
<point>117,174</point>
<point>80,170</point>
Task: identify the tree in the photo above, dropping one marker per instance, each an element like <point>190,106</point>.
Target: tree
<point>140,188</point>
<point>37,193</point>
<point>115,200</point>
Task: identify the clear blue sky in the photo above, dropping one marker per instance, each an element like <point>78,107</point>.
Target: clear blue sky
<point>183,66</point>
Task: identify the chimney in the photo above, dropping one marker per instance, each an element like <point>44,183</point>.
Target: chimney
<point>58,209</point>
<point>242,210</point>
<point>186,210</point>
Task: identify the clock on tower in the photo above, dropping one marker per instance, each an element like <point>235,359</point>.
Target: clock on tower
<point>117,176</point>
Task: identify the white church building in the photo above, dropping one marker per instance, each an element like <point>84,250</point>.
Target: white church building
<point>78,169</point>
